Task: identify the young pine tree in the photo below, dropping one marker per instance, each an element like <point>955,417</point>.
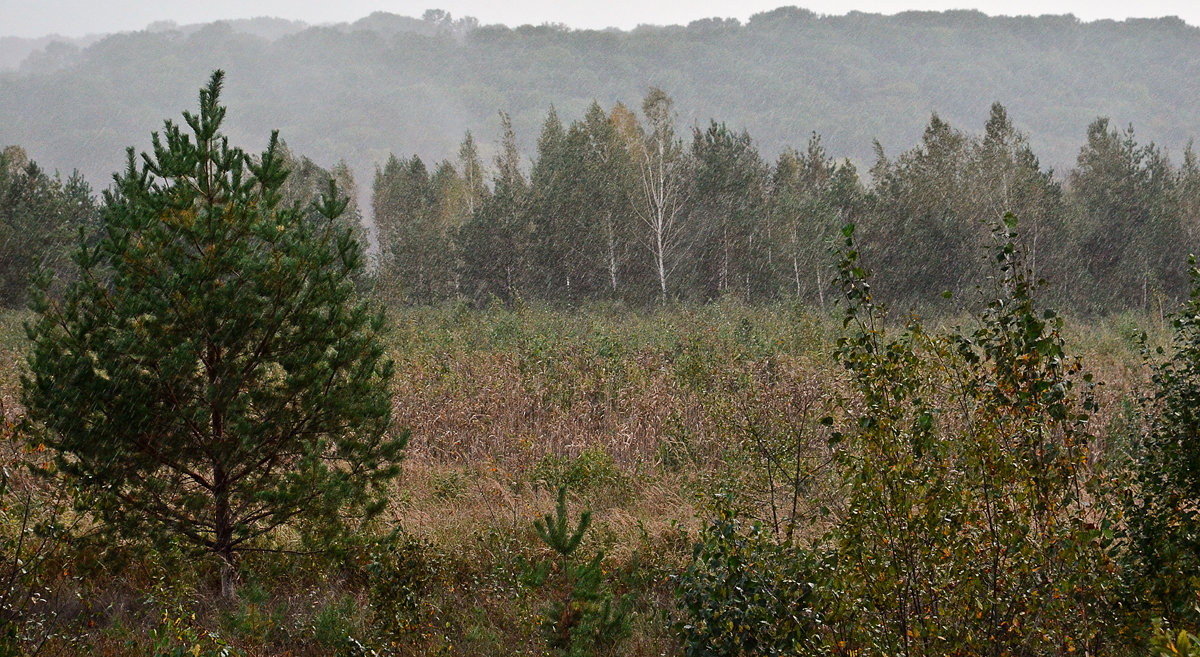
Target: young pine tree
<point>211,375</point>
<point>583,619</point>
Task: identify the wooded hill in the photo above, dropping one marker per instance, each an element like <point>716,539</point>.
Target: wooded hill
<point>393,84</point>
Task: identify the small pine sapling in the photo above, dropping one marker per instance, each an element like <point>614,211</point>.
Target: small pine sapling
<point>583,619</point>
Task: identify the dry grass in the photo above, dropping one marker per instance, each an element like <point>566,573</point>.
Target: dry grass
<point>645,415</point>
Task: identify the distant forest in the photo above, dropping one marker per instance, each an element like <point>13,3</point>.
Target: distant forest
<point>627,206</point>
<point>413,85</point>
<point>623,206</point>
<point>578,196</point>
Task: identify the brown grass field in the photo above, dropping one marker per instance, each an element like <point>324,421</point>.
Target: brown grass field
<point>644,416</point>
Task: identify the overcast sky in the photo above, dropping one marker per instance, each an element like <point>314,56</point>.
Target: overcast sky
<point>29,18</point>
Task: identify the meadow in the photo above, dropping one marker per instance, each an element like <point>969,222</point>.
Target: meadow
<point>647,417</point>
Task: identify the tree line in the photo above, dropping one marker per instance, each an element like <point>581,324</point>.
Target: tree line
<point>628,207</point>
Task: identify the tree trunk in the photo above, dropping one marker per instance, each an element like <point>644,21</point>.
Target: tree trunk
<point>660,258</point>
<point>820,289</point>
<point>228,578</point>
<point>223,533</point>
<point>222,522</point>
<point>723,277</point>
<point>612,253</point>
<point>796,274</point>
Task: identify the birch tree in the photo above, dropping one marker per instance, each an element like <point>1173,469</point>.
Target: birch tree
<point>663,194</point>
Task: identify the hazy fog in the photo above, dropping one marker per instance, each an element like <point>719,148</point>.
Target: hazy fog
<point>80,17</point>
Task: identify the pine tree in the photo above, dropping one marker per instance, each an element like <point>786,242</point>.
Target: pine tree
<point>1123,196</point>
<point>493,242</point>
<point>728,204</point>
<point>919,225</point>
<point>415,256</point>
<point>1005,176</point>
<point>582,620</point>
<point>555,214</point>
<point>39,216</point>
<point>211,375</point>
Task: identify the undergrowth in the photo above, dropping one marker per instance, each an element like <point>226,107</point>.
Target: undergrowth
<point>644,416</point>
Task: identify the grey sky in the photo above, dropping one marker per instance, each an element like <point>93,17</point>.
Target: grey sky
<point>29,18</point>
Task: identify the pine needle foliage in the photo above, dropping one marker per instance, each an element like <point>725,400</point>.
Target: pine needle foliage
<point>556,531</point>
<point>583,617</point>
<point>211,375</point>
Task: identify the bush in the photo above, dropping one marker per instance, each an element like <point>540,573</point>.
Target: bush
<point>177,636</point>
<point>592,468</point>
<point>968,525</point>
<point>402,574</point>
<point>744,594</point>
<point>35,529</point>
<point>1164,643</point>
<point>1163,508</point>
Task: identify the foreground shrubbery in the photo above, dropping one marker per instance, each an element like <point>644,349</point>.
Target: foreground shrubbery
<point>645,417</point>
<point>978,516</point>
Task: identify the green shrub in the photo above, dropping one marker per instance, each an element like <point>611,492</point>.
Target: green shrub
<point>1163,508</point>
<point>402,573</point>
<point>178,636</point>
<point>1164,643</point>
<point>36,525</point>
<point>449,485</point>
<point>744,594</point>
<point>593,468</point>
<point>968,525</point>
<point>335,622</point>
<point>254,620</point>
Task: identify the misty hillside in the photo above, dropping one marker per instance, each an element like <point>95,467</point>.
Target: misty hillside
<point>33,55</point>
<point>395,84</point>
